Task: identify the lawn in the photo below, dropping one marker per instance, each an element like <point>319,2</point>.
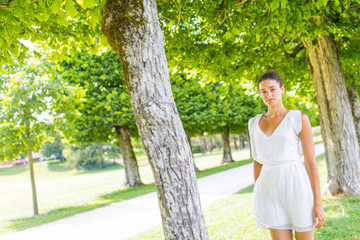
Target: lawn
<point>64,192</point>
<point>232,218</point>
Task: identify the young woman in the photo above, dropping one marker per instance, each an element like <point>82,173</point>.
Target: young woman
<point>287,192</point>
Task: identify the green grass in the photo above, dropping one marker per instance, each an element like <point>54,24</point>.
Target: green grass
<point>63,192</point>
<point>232,218</point>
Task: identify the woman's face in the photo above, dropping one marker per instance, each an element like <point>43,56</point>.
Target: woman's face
<point>271,92</point>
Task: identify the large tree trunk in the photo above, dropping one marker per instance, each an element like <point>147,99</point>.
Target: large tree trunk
<point>355,107</point>
<point>132,176</point>
<point>337,125</point>
<point>227,158</point>
<point>188,136</point>
<point>133,31</point>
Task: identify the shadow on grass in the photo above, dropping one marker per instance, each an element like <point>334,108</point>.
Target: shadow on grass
<point>227,166</point>
<point>8,171</point>
<point>124,194</point>
<point>248,189</point>
<point>108,168</point>
<point>57,166</point>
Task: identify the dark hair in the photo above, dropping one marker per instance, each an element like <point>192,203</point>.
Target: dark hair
<point>270,75</point>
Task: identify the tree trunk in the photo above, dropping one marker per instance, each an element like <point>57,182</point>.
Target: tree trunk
<point>31,167</point>
<point>132,176</point>
<point>208,144</point>
<point>133,31</point>
<point>241,141</point>
<point>355,107</point>
<point>235,143</point>
<point>188,136</point>
<point>32,180</point>
<point>227,158</point>
<point>100,151</point>
<point>337,125</point>
<point>202,146</point>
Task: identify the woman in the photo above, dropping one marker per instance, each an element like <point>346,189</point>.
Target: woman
<point>287,192</point>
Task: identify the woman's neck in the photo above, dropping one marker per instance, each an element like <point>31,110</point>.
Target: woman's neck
<point>276,110</point>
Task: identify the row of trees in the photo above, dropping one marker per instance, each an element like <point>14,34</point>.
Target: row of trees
<point>230,41</point>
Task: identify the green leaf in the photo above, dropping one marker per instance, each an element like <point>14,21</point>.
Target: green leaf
<point>61,19</point>
<point>70,8</point>
<point>236,31</point>
<point>21,57</point>
<point>275,5</point>
<point>228,35</point>
<point>87,3</point>
<point>321,3</point>
<point>94,18</point>
<point>284,4</point>
<point>55,6</point>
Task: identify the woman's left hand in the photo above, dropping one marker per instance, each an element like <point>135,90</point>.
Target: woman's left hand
<point>319,214</point>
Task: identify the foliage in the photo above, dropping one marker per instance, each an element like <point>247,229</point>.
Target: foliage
<point>193,101</point>
<point>238,41</point>
<point>49,148</point>
<point>64,26</point>
<point>104,101</point>
<point>208,105</point>
<point>196,148</point>
<point>86,157</point>
<point>27,102</point>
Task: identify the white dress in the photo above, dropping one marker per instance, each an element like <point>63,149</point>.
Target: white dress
<point>283,198</point>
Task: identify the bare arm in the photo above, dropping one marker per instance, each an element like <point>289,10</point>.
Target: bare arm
<point>310,164</point>
<point>257,169</point>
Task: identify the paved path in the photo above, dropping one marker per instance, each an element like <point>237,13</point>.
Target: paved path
<point>127,218</point>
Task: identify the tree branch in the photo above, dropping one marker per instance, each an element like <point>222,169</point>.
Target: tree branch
<point>6,5</point>
<point>296,50</point>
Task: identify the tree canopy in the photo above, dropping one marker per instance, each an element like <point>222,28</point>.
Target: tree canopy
<point>104,103</point>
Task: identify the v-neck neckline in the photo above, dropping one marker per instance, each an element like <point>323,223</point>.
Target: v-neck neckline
<point>276,126</point>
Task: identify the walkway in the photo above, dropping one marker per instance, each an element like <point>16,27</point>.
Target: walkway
<point>127,218</point>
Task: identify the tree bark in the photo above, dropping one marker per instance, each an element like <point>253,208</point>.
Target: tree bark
<point>235,143</point>
<point>241,142</point>
<point>337,125</point>
<point>101,154</point>
<point>188,136</point>
<point>133,31</point>
<point>227,158</point>
<point>208,144</point>
<point>31,167</point>
<point>132,176</point>
<point>355,107</point>
<point>32,180</point>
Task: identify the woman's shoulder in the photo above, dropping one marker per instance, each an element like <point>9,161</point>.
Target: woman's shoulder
<point>255,117</point>
<point>299,114</point>
<point>253,120</point>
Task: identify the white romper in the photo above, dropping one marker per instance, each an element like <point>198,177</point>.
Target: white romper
<point>283,198</point>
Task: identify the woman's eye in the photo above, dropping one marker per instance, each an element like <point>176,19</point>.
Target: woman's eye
<point>272,89</point>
